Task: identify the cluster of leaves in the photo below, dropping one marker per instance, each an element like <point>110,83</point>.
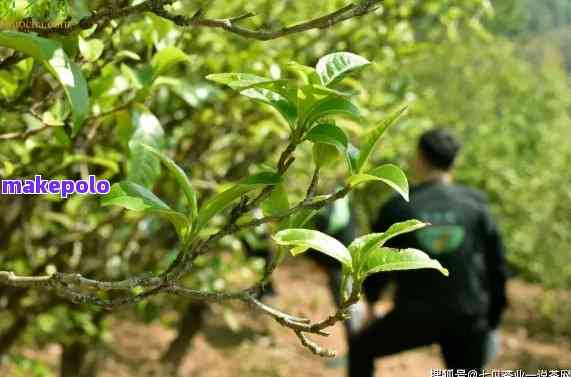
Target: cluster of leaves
<point>309,109</point>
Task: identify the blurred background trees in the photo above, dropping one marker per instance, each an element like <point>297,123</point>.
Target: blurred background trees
<point>497,72</point>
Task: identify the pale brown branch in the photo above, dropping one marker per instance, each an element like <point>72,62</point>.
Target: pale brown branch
<point>305,204</point>
<point>313,185</point>
<point>198,21</point>
<point>315,348</point>
<point>228,24</point>
<point>28,133</point>
<point>9,278</point>
<point>24,134</point>
<point>72,287</point>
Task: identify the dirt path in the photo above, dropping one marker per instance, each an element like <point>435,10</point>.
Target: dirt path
<point>260,347</point>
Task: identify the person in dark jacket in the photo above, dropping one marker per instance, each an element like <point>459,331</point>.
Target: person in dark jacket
<point>457,312</point>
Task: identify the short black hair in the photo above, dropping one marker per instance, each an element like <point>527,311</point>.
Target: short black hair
<point>439,147</point>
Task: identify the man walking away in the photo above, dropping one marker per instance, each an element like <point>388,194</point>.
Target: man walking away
<point>457,312</point>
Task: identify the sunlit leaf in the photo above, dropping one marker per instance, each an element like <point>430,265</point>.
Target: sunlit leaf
<point>382,259</point>
<point>360,247</point>
<point>134,197</point>
<point>303,239</point>
<point>262,89</point>
<point>333,67</point>
<point>237,81</point>
<point>181,178</point>
<point>307,74</point>
<point>91,49</point>
<point>143,167</point>
<point>52,55</point>
<point>390,174</point>
<point>372,138</point>
<point>126,54</point>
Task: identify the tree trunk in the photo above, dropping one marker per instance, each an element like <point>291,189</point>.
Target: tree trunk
<point>10,336</point>
<point>190,323</point>
<point>72,359</point>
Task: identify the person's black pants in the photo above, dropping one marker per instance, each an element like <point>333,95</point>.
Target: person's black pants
<point>462,342</point>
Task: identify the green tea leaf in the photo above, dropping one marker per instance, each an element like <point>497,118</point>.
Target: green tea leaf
<point>277,203</point>
<point>135,197</point>
<point>322,90</point>
<point>372,138</point>
<point>390,174</point>
<point>325,155</point>
<point>167,57</point>
<point>303,239</point>
<point>67,72</point>
<point>91,49</point>
<point>194,94</point>
<point>401,228</point>
<point>333,67</point>
<point>181,178</point>
<point>126,54</point>
<point>307,74</point>
<point>360,247</point>
<point>387,259</point>
<point>237,81</point>
<point>268,91</point>
<point>328,133</point>
<point>330,106</point>
<point>277,101</point>
<point>301,217</point>
<point>140,79</point>
<point>222,200</point>
<point>143,167</point>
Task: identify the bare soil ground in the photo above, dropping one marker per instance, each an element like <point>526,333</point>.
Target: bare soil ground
<point>261,347</point>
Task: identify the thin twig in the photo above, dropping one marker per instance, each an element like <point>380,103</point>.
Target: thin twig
<point>198,21</point>
<point>25,134</point>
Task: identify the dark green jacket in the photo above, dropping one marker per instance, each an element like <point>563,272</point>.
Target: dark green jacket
<point>464,238</point>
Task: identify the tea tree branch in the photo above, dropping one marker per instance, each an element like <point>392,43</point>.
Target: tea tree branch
<point>70,287</point>
<point>28,133</point>
<point>198,20</point>
<point>24,134</point>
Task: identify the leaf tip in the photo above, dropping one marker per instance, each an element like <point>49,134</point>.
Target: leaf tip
<point>405,195</point>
